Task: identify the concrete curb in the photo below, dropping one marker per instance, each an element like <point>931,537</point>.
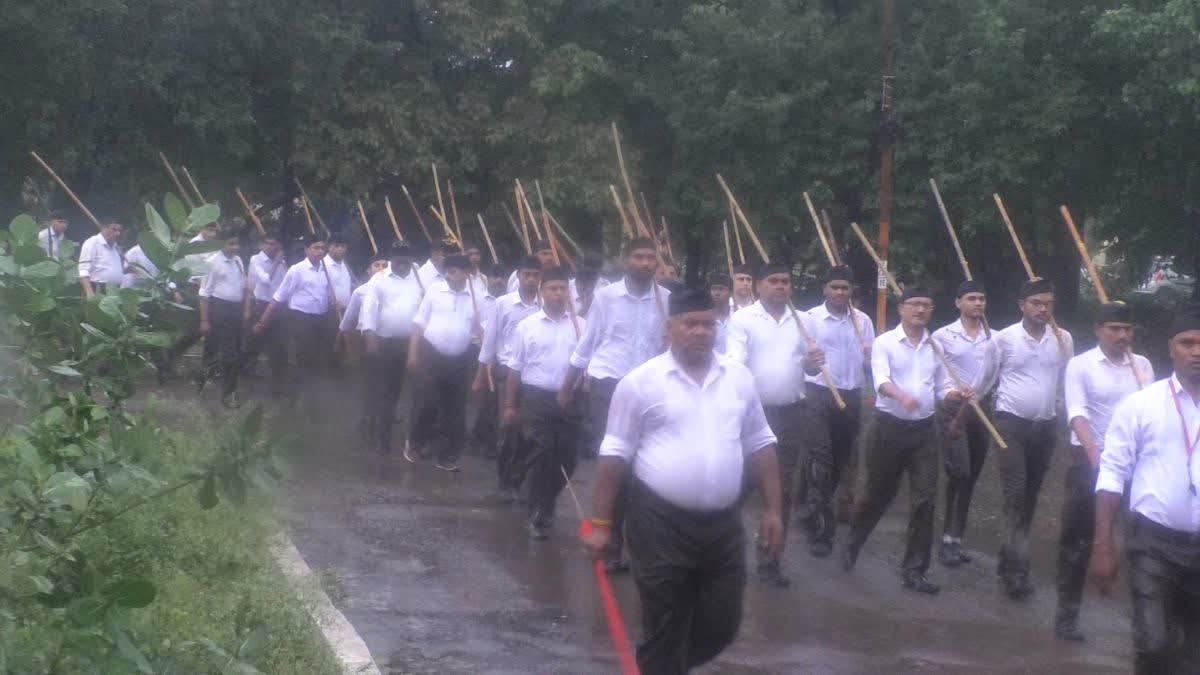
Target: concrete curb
<point>345,642</point>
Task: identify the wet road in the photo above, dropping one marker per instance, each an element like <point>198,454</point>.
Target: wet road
<point>438,575</point>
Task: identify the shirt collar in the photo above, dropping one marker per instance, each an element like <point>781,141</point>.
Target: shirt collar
<point>1046,335</point>
<point>1177,386</point>
<point>715,370</point>
<point>822,311</point>
<point>625,291</point>
<point>1101,357</point>
<point>902,337</point>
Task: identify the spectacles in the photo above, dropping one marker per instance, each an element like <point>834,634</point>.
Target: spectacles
<point>919,304</point>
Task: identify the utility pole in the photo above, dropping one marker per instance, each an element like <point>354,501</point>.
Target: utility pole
<point>887,146</point>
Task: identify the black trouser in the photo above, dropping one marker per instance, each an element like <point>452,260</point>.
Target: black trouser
<point>439,418</point>
<point>829,436</point>
<point>511,463</point>
<point>385,377</point>
<point>787,422</point>
<point>272,341</point>
<point>1022,467</point>
<point>309,333</point>
<point>901,446</point>
<point>1164,575</point>
<point>485,431</point>
<point>599,399</point>
<point>553,434</point>
<point>965,447</point>
<point>225,338</point>
<point>188,322</point>
<point>1078,526</point>
<point>690,570</point>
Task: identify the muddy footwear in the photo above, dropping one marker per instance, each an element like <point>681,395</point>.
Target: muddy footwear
<point>771,573</point>
<point>917,581</point>
<point>849,557</point>
<point>950,554</point>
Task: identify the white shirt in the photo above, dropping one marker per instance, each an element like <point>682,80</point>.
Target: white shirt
<point>339,274</point>
<point>1145,445</point>
<point>100,261</point>
<point>975,360</point>
<point>138,268</point>
<point>447,319</point>
<point>351,317</point>
<point>304,288</point>
<point>197,263</point>
<point>772,350</point>
<point>487,305</point>
<point>624,331</point>
<point>541,349</point>
<point>721,343</point>
<point>51,242</point>
<point>917,371</point>
<point>429,275</point>
<point>501,325</point>
<point>1094,385</point>
<point>841,344</point>
<point>226,278</point>
<point>1029,371</point>
<point>686,441</point>
<point>266,274</point>
<point>390,303</point>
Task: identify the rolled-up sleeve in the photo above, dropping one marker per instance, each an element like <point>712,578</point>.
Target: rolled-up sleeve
<point>86,255</point>
<point>623,433</point>
<point>756,432</point>
<point>1120,448</point>
<point>582,355</point>
<point>424,310</point>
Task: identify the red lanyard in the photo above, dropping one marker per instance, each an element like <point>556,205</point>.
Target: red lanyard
<point>1189,444</point>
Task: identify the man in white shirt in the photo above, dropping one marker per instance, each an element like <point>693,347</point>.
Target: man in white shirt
<point>439,350</point>
<point>765,338</point>
<point>586,282</point>
<point>545,255</point>
<point>743,288</point>
<point>830,433</point>
<point>51,239</point>
<point>431,272</point>
<point>189,322</point>
<point>224,301</point>
<point>541,350</point>
<point>510,309</point>
<point>684,427</point>
<point>971,350</point>
<point>306,295</point>
<point>339,270</point>
<point>624,330</point>
<point>1032,354</point>
<point>1095,382</point>
<point>100,261</point>
<point>1149,447</point>
<point>909,381</point>
<point>485,428</point>
<point>265,272</point>
<point>390,302</point>
<point>720,288</point>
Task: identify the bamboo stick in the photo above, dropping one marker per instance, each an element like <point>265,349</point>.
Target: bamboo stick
<point>529,211</point>
<point>637,219</point>
<point>1016,240</point>
<point>837,259</point>
<point>62,184</point>
<point>362,215</point>
<point>524,223</point>
<point>187,198</point>
<point>537,186</point>
<point>312,206</point>
<point>188,175</point>
<point>563,231</point>
<point>667,238</point>
<point>454,209</point>
<point>516,228</point>
<point>487,237</point>
<point>962,259</point>
<point>387,205</point>
<point>646,208</point>
<point>446,227</point>
<point>1083,253</point>
<point>628,231</point>
<point>812,211</point>
<point>728,252</point>
<point>307,216</point>
<point>417,213</point>
<point>737,233</point>
<point>438,187</point>
<point>762,252</point>
<point>250,212</point>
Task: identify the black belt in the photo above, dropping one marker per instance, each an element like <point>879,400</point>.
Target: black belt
<point>1164,533</point>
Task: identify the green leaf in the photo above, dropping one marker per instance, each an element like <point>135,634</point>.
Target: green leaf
<point>47,269</point>
<point>157,226</point>
<point>41,583</point>
<point>177,215</point>
<point>24,229</point>
<point>29,254</point>
<point>201,216</point>
<point>111,306</point>
<point>64,370</point>
<point>208,493</point>
<point>233,486</point>
<point>130,652</point>
<point>29,301</point>
<point>7,265</point>
<point>198,247</point>
<point>256,641</point>
<point>68,488</point>
<point>154,249</point>
<point>133,593</point>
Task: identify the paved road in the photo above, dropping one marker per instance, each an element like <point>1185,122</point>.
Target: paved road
<point>439,576</point>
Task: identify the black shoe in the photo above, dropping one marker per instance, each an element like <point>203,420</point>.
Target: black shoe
<point>963,556</point>
<point>617,566</point>
<point>200,382</point>
<point>771,573</point>
<point>950,555</point>
<point>849,557</point>
<point>539,532</point>
<point>820,549</point>
<point>1069,630</point>
<point>917,581</point>
<point>1017,586</point>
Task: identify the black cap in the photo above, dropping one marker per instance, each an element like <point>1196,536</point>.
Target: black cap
<point>742,269</point>
<point>457,261</point>
<point>556,274</point>
<point>1035,287</point>
<point>1187,319</point>
<point>337,238</point>
<point>840,273</point>
<point>768,268</point>
<point>57,214</point>
<point>913,291</point>
<point>637,244</point>
<point>587,275</point>
<point>719,279</point>
<point>1114,312</point>
<point>969,286</point>
<point>529,262</point>
<point>445,245</point>
<point>400,248</point>
<point>541,245</point>
<point>689,299</point>
<point>495,270</point>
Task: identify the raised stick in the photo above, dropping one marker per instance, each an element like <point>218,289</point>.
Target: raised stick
<point>187,198</point>
<point>307,216</point>
<point>762,252</point>
<point>820,231</point>
<point>487,237</point>
<point>187,174</point>
<point>1016,240</point>
<point>832,239</point>
<point>962,259</point>
<point>737,232</point>
<point>1083,253</point>
<point>529,211</point>
<point>524,222</point>
<point>563,231</point>
<point>387,205</point>
<point>728,252</point>
<point>362,215</point>
<point>537,186</point>
<point>86,211</point>
<point>516,228</point>
<point>454,209</point>
<point>553,241</point>
<point>416,212</point>
<point>637,219</point>
<point>667,238</point>
<point>438,187</point>
<point>649,218</point>
<point>250,212</point>
<point>958,383</point>
<point>628,231</point>
<point>446,227</point>
<point>312,206</point>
